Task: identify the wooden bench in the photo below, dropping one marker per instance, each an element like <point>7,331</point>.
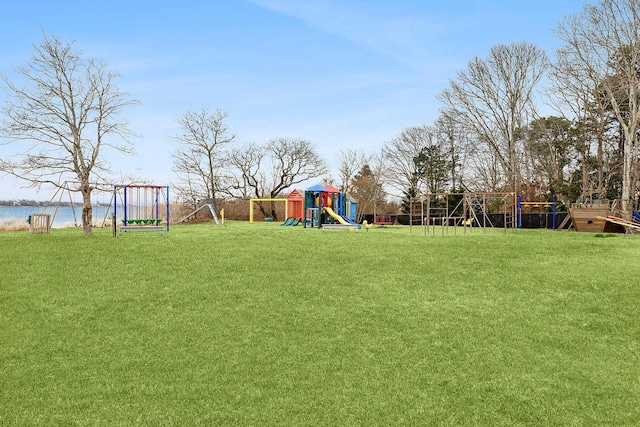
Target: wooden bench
<point>353,226</point>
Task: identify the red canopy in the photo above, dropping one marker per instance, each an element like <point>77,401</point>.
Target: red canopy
<point>331,189</point>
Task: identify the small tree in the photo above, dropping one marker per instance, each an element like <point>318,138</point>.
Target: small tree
<point>64,115</point>
<point>349,163</point>
<point>433,166</point>
<point>399,155</point>
<point>367,188</point>
<point>199,159</point>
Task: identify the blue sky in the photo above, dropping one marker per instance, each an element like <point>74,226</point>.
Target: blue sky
<point>340,73</point>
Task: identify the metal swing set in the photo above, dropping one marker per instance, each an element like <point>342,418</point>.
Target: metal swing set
<point>140,208</point>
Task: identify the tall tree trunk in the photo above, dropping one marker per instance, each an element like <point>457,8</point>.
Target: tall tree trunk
<point>87,209</point>
<point>600,152</point>
<point>586,189</point>
<point>634,175</point>
<point>627,165</point>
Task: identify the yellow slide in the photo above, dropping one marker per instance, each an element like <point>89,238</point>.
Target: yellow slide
<point>336,216</point>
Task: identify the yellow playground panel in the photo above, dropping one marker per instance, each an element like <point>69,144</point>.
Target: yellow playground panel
<point>252,201</point>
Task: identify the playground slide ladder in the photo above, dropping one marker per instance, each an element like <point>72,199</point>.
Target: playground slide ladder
<point>567,221</point>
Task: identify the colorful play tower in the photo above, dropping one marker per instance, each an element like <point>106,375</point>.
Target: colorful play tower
<point>327,205</point>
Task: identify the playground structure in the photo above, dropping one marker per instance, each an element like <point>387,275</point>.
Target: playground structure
<point>630,227</point>
<point>293,207</point>
<point>327,207</point>
<point>140,207</point>
<point>540,204</point>
<point>466,210</point>
<point>66,188</point>
<point>587,215</point>
<point>206,203</point>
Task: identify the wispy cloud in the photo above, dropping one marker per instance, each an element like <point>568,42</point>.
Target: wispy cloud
<point>383,27</point>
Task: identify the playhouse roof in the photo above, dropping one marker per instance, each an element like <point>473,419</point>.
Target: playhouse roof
<point>317,188</point>
<point>331,189</point>
<point>294,195</point>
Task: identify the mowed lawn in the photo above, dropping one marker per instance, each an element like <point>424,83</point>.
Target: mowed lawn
<point>258,324</point>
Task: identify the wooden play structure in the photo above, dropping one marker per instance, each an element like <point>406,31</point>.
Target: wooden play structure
<point>58,200</point>
<point>295,205</point>
<point>630,227</point>
<point>588,215</point>
<point>140,208</point>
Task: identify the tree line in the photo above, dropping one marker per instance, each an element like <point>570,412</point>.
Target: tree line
<point>491,134</point>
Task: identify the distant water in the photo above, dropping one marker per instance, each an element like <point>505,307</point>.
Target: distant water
<point>64,216</point>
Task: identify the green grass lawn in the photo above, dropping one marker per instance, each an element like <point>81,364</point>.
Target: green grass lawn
<point>257,324</point>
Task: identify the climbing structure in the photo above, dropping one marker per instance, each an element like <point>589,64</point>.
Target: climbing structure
<point>464,209</point>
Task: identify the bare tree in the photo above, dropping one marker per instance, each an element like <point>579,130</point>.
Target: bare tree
<point>245,177</point>
<point>290,161</point>
<point>602,44</point>
<point>486,173</point>
<point>293,161</point>
<point>400,154</point>
<point>199,159</point>
<point>576,95</point>
<point>65,114</point>
<point>550,148</point>
<point>495,98</point>
<point>350,162</point>
<point>455,138</point>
